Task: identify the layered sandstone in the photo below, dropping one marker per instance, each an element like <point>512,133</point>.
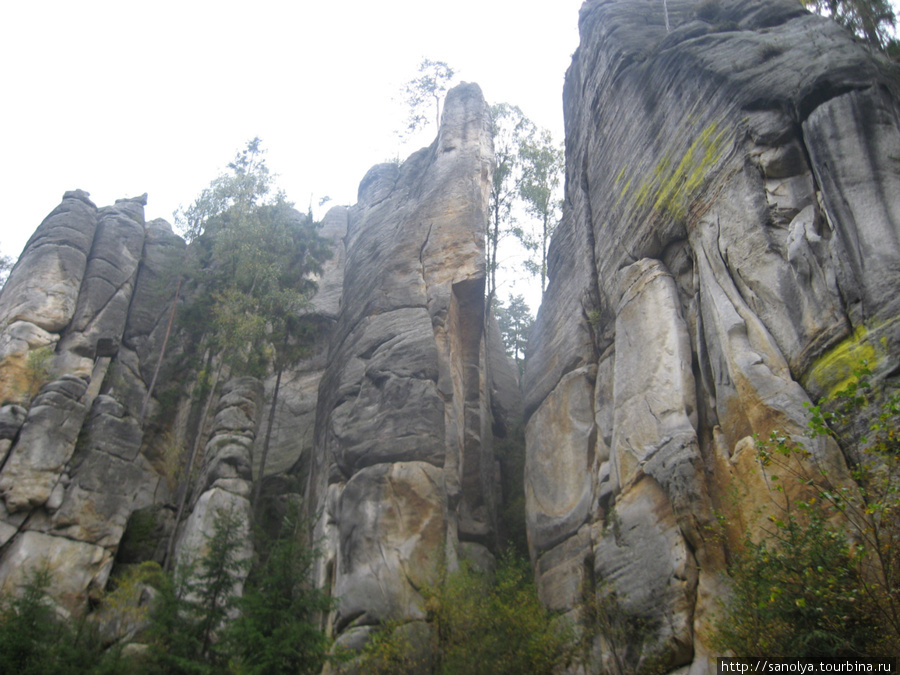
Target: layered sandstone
<point>729,247</point>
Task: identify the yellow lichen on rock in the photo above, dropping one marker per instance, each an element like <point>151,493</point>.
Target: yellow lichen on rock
<point>833,371</point>
<point>671,187</point>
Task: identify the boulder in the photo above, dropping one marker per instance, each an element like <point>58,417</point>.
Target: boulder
<point>392,523</point>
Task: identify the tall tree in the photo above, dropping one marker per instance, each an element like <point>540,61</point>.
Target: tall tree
<point>542,171</point>
<point>257,260</point>
<point>193,606</point>
<point>509,129</point>
<point>276,630</point>
<point>430,85</point>
<point>515,323</point>
<point>872,20</point>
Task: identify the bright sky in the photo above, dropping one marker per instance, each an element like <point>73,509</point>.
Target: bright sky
<point>120,98</point>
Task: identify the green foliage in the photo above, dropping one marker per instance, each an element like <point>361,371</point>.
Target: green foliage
<point>872,20</point>
<point>796,594</point>
<point>509,128</point>
<point>515,324</point>
<point>276,629</point>
<point>274,623</point>
<point>193,606</point>
<point>389,651</point>
<point>481,624</point>
<point>247,182</point>
<point>528,169</point>
<point>34,641</point>
<point>257,257</point>
<point>497,625</point>
<point>37,369</point>
<point>124,611</point>
<point>543,163</point>
<point>823,582</point>
<point>431,83</point>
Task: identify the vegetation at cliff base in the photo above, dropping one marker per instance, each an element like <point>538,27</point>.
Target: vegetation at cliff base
<point>36,640</point>
<point>823,582</point>
<point>481,623</point>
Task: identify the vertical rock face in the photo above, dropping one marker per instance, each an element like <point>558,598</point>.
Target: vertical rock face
<point>74,471</point>
<point>731,233</point>
<point>387,425</point>
<point>402,464</point>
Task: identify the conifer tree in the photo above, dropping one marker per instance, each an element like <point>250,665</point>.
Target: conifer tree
<point>872,20</point>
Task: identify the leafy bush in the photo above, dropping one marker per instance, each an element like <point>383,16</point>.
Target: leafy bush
<point>480,624</point>
<point>797,594</point>
<point>823,583</point>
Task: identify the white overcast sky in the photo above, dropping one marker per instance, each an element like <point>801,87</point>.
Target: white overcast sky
<point>120,98</point>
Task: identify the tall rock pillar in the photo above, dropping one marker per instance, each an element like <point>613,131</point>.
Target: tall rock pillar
<point>403,470</point>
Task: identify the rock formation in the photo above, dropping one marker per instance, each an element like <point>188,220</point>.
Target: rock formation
<point>386,427</point>
<point>730,246</point>
<point>403,465</point>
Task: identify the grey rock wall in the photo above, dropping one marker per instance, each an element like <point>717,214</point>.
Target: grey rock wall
<point>386,427</point>
<point>403,470</point>
<point>729,248</point>
<point>74,471</point>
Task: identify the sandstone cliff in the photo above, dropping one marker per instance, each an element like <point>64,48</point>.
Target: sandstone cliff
<point>403,466</point>
<point>730,247</point>
<point>386,427</point>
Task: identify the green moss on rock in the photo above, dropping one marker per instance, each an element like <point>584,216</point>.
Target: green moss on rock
<point>834,370</point>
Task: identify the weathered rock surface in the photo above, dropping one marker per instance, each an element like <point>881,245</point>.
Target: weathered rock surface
<point>403,469</point>
<point>730,239</point>
<point>387,425</point>
<point>75,472</point>
<point>393,527</point>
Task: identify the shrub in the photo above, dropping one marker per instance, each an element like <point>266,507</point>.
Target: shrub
<point>480,624</point>
<point>824,580</point>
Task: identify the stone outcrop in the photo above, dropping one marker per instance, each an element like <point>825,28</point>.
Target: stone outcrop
<point>403,468</point>
<point>385,427</point>
<point>729,247</point>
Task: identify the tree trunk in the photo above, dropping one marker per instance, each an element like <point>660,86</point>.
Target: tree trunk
<point>162,352</point>
<point>257,488</point>
<point>170,548</point>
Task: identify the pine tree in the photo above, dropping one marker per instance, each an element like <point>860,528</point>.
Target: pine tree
<point>872,20</point>
<point>276,631</point>
<point>515,324</point>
